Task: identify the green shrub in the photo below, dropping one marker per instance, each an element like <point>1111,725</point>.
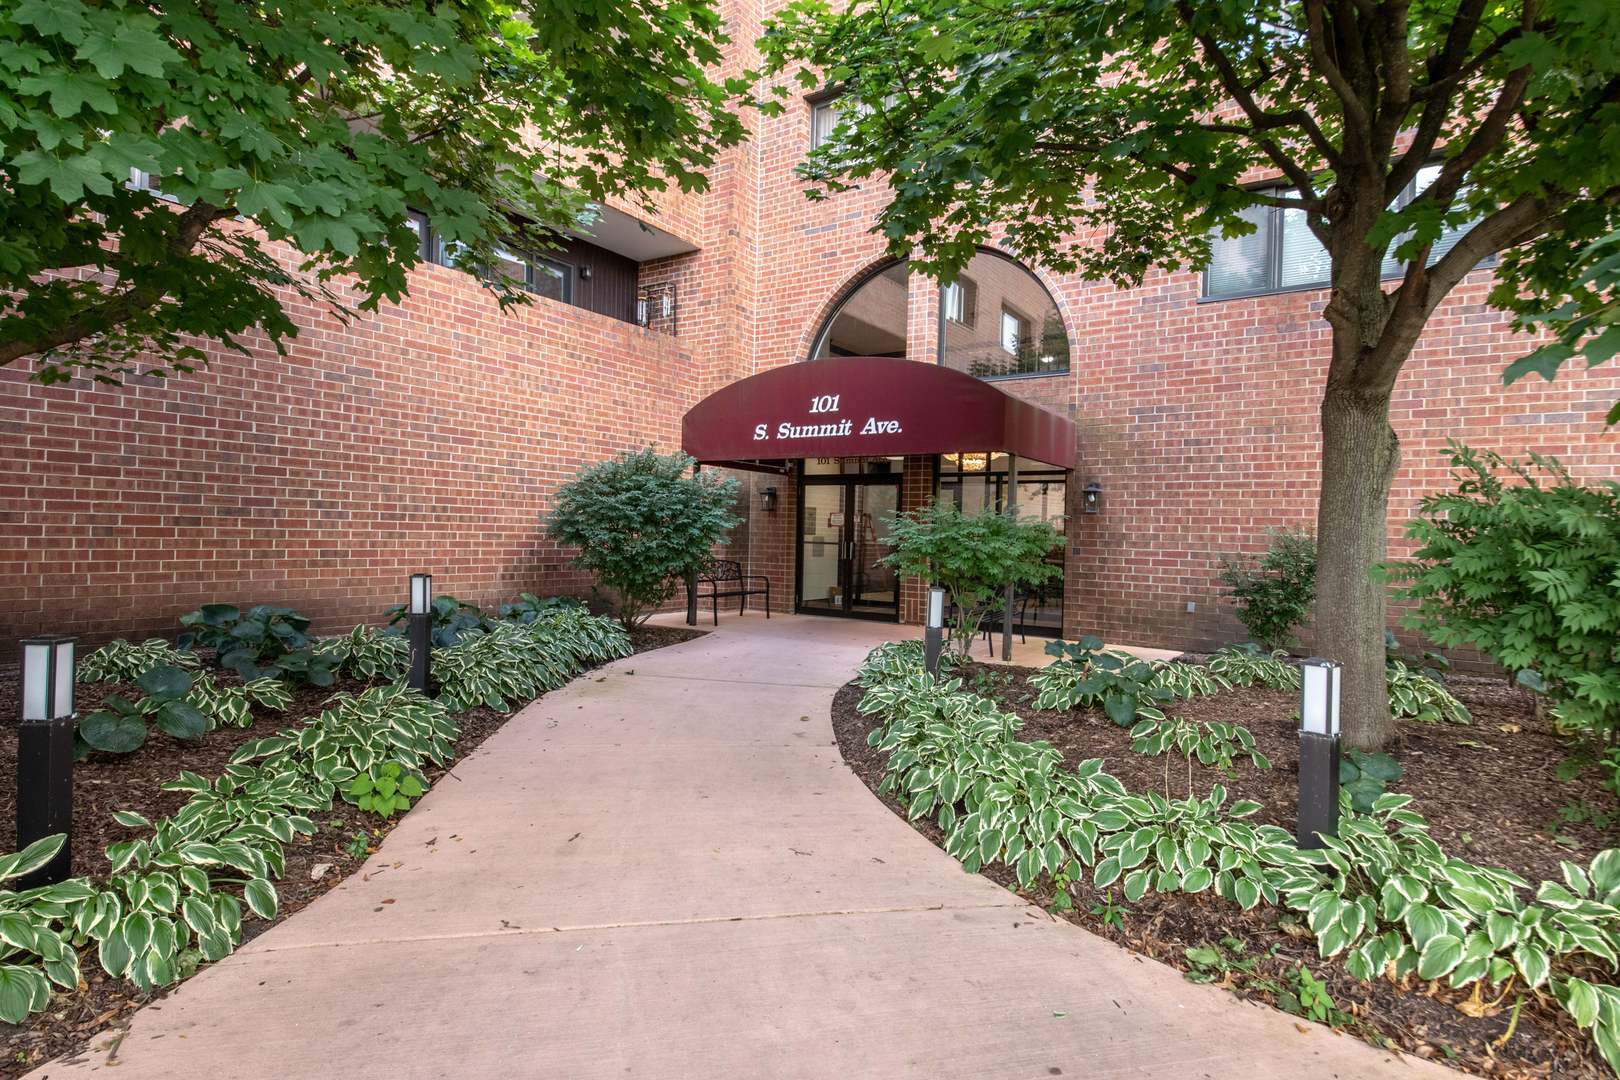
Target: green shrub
<point>641,526</point>
<point>1527,574</point>
<point>122,662</point>
<point>972,556</point>
<point>1274,592</point>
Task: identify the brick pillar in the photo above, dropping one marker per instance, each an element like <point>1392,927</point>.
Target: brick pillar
<point>917,488</point>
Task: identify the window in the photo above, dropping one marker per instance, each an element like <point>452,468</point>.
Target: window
<point>550,278</point>
<point>144,181</point>
<point>1012,332</point>
<point>960,301</point>
<point>826,108</point>
<point>1394,267</point>
<point>823,118</point>
<point>1282,253</point>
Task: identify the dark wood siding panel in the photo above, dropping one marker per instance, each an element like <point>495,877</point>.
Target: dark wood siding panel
<point>611,288</point>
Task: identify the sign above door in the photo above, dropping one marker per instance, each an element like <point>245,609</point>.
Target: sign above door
<point>848,406</point>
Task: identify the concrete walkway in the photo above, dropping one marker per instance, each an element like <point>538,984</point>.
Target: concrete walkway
<point>666,870</point>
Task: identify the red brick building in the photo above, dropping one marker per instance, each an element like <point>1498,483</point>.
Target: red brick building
<point>429,436</point>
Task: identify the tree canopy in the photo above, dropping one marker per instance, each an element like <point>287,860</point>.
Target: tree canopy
<point>321,123</point>
<point>1110,137</point>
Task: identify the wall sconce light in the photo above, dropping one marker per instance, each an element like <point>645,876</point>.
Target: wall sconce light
<point>1091,498</point>
<point>584,272</point>
<point>1318,752</point>
<point>767,500</point>
<point>45,754</point>
<point>934,632</point>
<point>419,624</point>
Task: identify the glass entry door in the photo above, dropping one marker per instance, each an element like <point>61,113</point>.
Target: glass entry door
<point>843,533</point>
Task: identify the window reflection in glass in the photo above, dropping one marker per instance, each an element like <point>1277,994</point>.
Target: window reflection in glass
<point>1000,321</point>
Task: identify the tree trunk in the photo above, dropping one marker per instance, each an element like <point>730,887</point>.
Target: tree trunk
<point>1360,452</point>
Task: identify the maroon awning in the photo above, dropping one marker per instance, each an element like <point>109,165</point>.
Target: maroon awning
<point>853,406</point>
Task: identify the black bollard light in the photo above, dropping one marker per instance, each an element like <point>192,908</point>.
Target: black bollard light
<point>419,624</point>
<point>45,754</point>
<point>934,632</point>
<point>1318,752</point>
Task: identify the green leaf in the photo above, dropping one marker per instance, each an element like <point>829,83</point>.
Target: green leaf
<point>22,990</point>
<point>165,683</point>
<point>132,45</point>
<point>1442,953</point>
<point>113,733</point>
<point>1581,1001</point>
<point>1136,885</point>
<point>181,720</point>
<point>261,897</point>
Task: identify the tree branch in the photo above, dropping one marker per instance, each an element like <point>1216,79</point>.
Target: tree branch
<point>1355,114</point>
<point>1259,117</point>
<point>193,223</point>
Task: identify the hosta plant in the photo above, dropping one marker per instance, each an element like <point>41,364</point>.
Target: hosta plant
<point>120,661</point>
<point>368,653</point>
<point>528,608</point>
<point>383,790</point>
<point>1391,903</point>
<point>1212,743</point>
<point>245,641</point>
<point>1089,675</point>
<point>1421,696</point>
<point>1362,776</point>
<point>232,705</point>
<point>1248,664</point>
<point>33,953</point>
<point>449,619</point>
<point>386,723</point>
<point>510,662</point>
<point>897,659</point>
<point>119,726</point>
<point>1187,680</point>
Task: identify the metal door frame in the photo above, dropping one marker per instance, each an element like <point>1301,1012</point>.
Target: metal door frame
<point>848,481</point>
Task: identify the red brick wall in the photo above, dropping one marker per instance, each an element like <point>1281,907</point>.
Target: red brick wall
<point>427,438</point>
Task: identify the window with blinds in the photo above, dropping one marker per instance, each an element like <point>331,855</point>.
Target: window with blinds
<point>1283,254</point>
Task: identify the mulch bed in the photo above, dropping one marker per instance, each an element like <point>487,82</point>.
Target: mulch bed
<point>104,784</point>
<point>1489,792</point>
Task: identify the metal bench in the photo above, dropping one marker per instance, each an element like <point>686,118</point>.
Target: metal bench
<point>725,579</point>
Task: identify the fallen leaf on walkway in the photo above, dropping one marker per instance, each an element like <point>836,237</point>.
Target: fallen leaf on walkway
<point>398,865</point>
<point>1303,1030</point>
<point>431,842</point>
<point>576,836</point>
<point>804,719</point>
<point>1060,1014</point>
<point>388,901</point>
